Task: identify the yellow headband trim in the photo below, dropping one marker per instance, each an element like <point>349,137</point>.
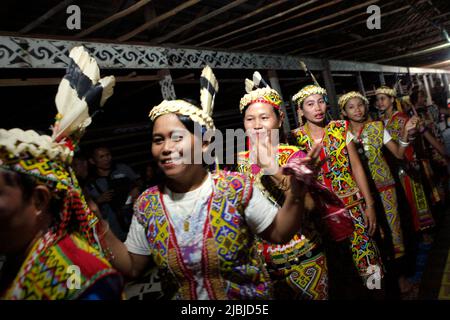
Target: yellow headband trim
<point>306,92</point>
<point>350,95</point>
<point>184,108</point>
<point>387,91</point>
<point>264,95</point>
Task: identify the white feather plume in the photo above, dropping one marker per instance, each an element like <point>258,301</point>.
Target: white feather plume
<point>208,90</point>
<point>249,85</point>
<point>258,80</point>
<point>73,111</point>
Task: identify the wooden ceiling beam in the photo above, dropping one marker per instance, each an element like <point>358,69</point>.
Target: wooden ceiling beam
<point>164,16</point>
<point>351,52</point>
<point>113,18</point>
<point>195,22</point>
<point>50,13</point>
<point>267,39</point>
<point>55,81</point>
<point>370,56</point>
<point>234,21</point>
<point>252,26</point>
<point>367,38</point>
<point>328,26</point>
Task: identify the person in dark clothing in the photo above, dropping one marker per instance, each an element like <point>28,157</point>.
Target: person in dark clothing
<point>114,189</point>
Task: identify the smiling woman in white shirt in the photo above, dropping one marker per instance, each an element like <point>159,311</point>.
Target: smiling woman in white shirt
<point>198,227</point>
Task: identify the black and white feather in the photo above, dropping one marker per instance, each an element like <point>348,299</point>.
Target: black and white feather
<point>259,81</point>
<point>208,90</point>
<point>308,72</point>
<point>81,94</point>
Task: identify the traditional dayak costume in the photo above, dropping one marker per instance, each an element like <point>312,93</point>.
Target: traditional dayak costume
<point>369,142</point>
<point>408,173</point>
<point>336,175</point>
<point>72,241</point>
<point>203,241</point>
<point>298,269</point>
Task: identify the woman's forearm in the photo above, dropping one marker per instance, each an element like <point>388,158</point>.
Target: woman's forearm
<point>398,150</point>
<point>287,222</point>
<point>435,143</point>
<point>117,252</point>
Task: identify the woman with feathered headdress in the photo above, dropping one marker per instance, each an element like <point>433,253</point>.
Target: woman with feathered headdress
<point>395,122</point>
<point>372,140</point>
<point>197,226</point>
<point>298,269</point>
<point>47,231</point>
<point>342,173</point>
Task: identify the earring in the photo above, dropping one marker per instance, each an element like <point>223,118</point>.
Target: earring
<point>300,121</point>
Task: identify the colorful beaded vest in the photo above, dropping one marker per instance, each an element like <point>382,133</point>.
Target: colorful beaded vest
<point>370,142</point>
<point>231,266</point>
<point>64,271</point>
<point>277,255</point>
<point>336,173</point>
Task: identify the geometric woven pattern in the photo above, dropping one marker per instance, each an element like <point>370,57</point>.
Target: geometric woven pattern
<point>294,272</point>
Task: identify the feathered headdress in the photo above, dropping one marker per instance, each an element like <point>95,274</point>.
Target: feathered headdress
<point>81,93</point>
<point>308,90</point>
<point>259,90</point>
<point>208,90</point>
<point>47,158</point>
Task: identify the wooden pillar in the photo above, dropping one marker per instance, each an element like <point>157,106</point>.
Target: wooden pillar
<point>275,84</point>
<point>445,82</point>
<point>427,89</point>
<point>331,90</point>
<point>360,83</point>
<point>431,80</point>
<point>400,87</point>
<point>382,80</point>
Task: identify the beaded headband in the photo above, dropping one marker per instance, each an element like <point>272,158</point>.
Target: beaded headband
<point>263,95</point>
<point>350,95</point>
<point>184,108</point>
<point>306,92</point>
<point>387,91</point>
<point>259,91</point>
<point>208,90</point>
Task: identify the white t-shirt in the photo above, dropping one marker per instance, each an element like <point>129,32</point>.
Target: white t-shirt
<point>386,137</point>
<point>192,206</point>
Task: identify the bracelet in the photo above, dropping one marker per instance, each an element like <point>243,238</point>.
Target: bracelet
<point>101,236</point>
<point>372,205</point>
<point>109,255</point>
<point>403,143</point>
<point>107,252</point>
<point>283,185</point>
